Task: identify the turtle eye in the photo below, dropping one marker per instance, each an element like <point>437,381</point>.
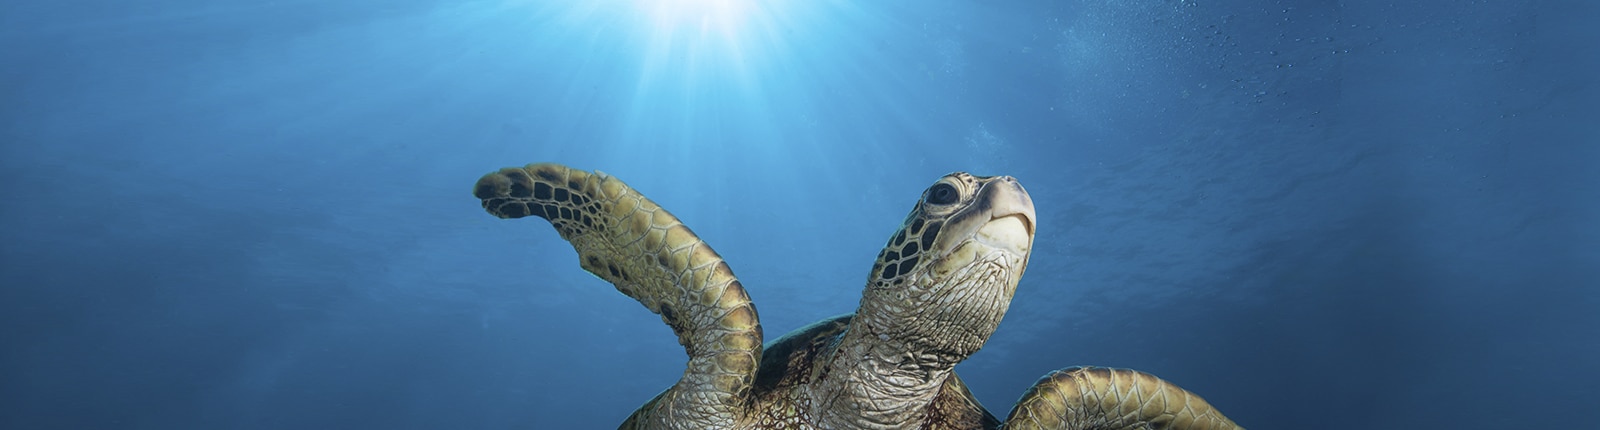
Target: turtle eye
<point>942,194</point>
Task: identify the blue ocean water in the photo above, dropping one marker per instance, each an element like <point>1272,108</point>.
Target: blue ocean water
<point>1317,214</point>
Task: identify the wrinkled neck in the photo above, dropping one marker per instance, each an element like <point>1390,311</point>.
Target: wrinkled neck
<point>937,321</point>
<point>900,348</point>
<point>874,381</point>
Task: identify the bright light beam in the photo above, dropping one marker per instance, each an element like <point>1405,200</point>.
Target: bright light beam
<point>721,16</point>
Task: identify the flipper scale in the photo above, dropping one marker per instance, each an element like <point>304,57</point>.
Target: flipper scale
<point>1098,398</point>
<point>629,241</point>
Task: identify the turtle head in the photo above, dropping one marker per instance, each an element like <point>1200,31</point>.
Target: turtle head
<point>946,278</point>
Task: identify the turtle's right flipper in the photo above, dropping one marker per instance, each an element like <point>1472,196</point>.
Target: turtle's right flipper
<point>627,240</point>
<point>1078,398</point>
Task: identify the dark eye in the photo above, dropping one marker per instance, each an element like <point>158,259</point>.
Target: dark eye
<point>942,194</point>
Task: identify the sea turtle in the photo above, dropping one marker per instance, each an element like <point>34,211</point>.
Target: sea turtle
<point>934,295</point>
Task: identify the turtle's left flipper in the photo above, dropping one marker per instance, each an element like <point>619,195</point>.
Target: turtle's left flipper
<point>1078,398</point>
<point>629,241</point>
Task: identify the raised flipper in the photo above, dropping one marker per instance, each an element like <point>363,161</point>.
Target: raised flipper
<point>629,241</point>
<point>1098,398</point>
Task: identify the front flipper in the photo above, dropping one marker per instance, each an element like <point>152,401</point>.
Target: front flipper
<point>1083,398</point>
<point>629,241</point>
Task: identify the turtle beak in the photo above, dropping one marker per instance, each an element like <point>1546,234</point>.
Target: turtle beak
<point>1011,217</point>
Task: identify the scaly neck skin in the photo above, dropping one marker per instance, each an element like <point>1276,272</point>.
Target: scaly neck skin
<point>901,347</point>
<point>877,382</point>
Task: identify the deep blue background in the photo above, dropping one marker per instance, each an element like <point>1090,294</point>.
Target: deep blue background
<point>1318,214</point>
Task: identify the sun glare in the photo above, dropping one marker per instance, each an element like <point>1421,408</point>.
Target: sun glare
<point>709,32</point>
<point>716,17</point>
<point>694,76</point>
<point>689,47</point>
